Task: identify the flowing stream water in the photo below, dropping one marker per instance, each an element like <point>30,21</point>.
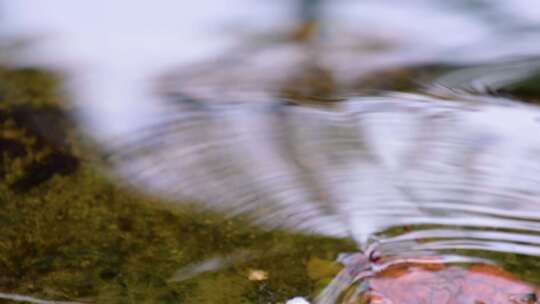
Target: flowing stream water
<point>407,127</point>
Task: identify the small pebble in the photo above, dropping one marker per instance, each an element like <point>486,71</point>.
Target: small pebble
<point>257,275</point>
<point>297,300</point>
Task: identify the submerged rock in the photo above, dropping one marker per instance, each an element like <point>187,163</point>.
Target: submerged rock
<point>429,280</point>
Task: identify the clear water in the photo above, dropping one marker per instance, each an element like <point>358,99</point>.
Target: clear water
<point>407,127</point>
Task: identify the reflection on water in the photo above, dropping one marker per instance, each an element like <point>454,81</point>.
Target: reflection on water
<point>404,126</point>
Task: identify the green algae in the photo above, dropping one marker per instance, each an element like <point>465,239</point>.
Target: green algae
<point>69,233</point>
<point>100,242</point>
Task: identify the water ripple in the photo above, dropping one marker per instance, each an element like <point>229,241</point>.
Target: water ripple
<point>352,169</point>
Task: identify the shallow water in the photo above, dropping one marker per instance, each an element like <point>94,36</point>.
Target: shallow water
<point>406,128</point>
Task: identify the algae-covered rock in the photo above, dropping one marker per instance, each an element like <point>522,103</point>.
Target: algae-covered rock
<point>35,141</point>
<point>527,89</point>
